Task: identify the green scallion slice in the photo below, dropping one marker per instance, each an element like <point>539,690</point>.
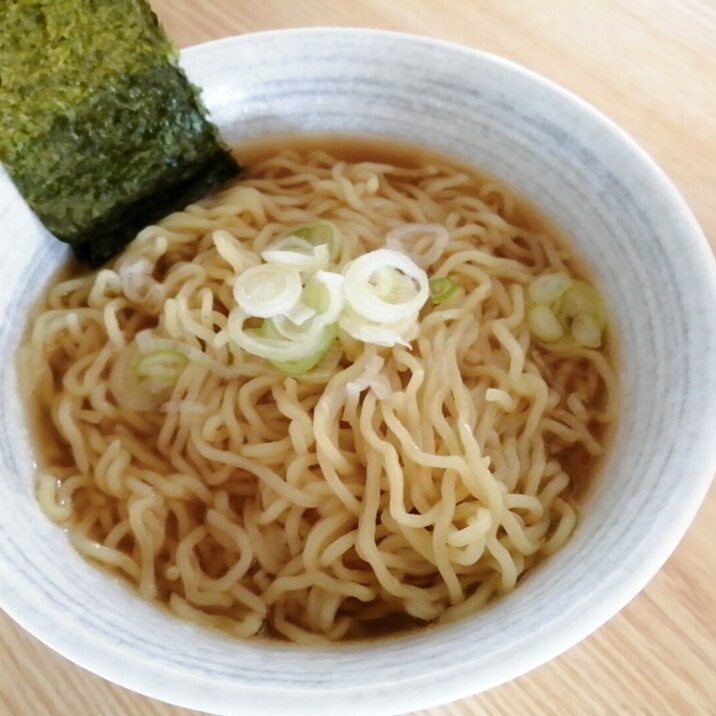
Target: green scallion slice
<point>544,324</point>
<point>441,289</point>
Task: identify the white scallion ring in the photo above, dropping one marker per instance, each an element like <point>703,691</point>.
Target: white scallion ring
<point>268,290</point>
<point>361,294</point>
<point>297,253</point>
<point>271,345</point>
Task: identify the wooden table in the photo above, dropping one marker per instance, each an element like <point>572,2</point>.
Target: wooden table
<point>651,66</point>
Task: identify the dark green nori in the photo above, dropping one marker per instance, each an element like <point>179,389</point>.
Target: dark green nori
<point>99,129</point>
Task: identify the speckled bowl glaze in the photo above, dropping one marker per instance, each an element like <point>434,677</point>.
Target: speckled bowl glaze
<point>652,263</point>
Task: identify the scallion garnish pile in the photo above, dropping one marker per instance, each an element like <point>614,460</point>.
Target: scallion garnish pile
<point>564,307</point>
<point>303,298</point>
<point>291,307</point>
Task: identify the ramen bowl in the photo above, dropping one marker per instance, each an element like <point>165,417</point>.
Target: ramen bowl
<point>635,235</point>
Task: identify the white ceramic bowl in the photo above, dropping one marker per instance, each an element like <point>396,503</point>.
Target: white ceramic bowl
<point>648,255</point>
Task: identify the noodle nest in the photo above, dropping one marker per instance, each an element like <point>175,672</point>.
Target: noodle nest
<point>313,507</point>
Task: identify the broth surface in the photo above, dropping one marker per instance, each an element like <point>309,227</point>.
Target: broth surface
<point>102,506</point>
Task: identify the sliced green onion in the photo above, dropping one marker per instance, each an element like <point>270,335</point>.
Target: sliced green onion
<point>161,365</point>
<point>384,282</point>
<point>324,293</point>
<point>303,365</point>
<point>297,253</point>
<point>317,296</point>
<point>285,328</point>
<point>363,277</point>
<point>546,289</point>
<point>148,343</point>
<point>300,313</point>
<point>323,296</point>
<point>320,233</point>
<point>380,334</point>
<point>544,324</point>
<point>580,298</point>
<point>393,286</point>
<point>292,243</point>
<point>586,330</point>
<point>441,289</point>
<point>564,305</point>
<point>267,343</point>
<point>325,369</point>
<point>267,290</point>
<point>297,367</point>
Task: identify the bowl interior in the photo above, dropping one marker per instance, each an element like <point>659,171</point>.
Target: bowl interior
<point>634,233</point>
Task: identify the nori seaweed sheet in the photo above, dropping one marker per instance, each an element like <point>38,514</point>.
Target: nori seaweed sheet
<point>99,128</point>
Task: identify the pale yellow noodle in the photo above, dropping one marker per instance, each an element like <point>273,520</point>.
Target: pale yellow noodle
<point>261,503</point>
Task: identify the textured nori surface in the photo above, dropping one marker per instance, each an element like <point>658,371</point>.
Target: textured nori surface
<point>99,128</point>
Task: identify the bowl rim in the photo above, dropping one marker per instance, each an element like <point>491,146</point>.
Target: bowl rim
<point>159,682</point>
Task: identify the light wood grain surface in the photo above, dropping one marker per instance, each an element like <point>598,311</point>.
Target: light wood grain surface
<point>651,66</point>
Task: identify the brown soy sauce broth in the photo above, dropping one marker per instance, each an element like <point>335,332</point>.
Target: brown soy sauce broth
<point>584,469</point>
